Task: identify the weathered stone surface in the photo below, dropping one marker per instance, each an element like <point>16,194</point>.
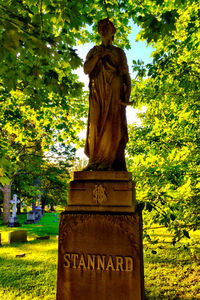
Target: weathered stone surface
<point>102,175</point>
<point>105,191</point>
<point>30,218</point>
<point>13,222</point>
<point>100,256</point>
<point>100,239</point>
<point>110,87</point>
<point>18,236</point>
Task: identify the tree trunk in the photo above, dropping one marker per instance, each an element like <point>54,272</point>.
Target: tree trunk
<point>52,208</point>
<point>18,208</point>
<point>43,203</point>
<point>6,190</point>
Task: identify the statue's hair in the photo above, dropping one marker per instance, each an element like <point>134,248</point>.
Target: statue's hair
<point>105,22</point>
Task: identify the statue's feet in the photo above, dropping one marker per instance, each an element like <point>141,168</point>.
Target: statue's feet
<point>90,167</point>
<point>98,167</point>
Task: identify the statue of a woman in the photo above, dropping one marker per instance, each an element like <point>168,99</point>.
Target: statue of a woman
<point>110,87</point>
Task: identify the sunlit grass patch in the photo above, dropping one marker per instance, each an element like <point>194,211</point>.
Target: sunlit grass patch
<point>30,277</point>
<point>172,272</point>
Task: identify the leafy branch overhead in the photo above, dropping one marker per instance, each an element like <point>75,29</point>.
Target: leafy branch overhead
<point>43,105</point>
<point>164,150</point>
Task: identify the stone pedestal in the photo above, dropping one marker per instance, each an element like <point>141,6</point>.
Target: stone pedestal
<point>13,222</point>
<point>38,213</point>
<point>31,218</point>
<point>100,240</point>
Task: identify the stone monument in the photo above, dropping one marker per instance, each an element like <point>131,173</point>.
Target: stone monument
<point>100,254</point>
<point>38,209</point>
<point>31,216</point>
<point>13,220</point>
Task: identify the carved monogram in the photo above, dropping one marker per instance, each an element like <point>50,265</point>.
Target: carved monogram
<point>99,194</point>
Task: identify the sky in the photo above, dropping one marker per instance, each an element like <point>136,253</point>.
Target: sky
<point>139,50</point>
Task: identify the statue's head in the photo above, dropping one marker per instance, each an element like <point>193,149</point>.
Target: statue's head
<point>104,25</point>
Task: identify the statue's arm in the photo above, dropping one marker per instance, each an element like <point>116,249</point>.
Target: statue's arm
<point>91,60</point>
<point>127,84</point>
<point>126,81</point>
<point>90,64</point>
<point>94,55</point>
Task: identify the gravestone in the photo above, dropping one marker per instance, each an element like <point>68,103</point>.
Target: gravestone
<point>56,218</point>
<point>18,236</point>
<point>38,209</point>
<point>100,252</point>
<point>13,220</point>
<point>30,218</point>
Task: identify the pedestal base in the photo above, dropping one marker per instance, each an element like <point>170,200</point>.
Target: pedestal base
<point>31,218</point>
<point>100,254</point>
<point>100,257</point>
<point>13,222</point>
<point>102,191</point>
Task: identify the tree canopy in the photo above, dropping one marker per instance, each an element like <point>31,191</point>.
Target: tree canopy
<point>165,149</point>
<point>43,105</point>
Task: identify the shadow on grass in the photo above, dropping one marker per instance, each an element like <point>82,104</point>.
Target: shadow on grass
<point>43,245</point>
<point>170,256</point>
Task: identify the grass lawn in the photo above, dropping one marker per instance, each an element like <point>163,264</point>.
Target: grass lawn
<point>171,273</point>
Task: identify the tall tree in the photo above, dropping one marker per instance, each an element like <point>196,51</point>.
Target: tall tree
<point>42,101</point>
<point>28,134</point>
<point>165,148</point>
<point>38,42</point>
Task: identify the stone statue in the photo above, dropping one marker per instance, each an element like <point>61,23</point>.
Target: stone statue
<point>110,87</point>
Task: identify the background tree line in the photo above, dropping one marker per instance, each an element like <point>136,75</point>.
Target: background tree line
<point>43,104</point>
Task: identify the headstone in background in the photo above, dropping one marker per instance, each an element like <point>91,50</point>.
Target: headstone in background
<point>56,218</point>
<point>38,209</point>
<point>13,220</point>
<point>18,236</point>
<point>30,218</point>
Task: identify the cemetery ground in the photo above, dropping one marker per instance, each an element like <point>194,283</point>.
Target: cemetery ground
<point>171,272</point>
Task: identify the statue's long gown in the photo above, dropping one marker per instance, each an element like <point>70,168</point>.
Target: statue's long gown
<point>107,127</point>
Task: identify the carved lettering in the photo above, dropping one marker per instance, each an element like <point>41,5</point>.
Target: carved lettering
<point>129,264</point>
<point>91,262</point>
<point>74,257</point>
<point>110,264</point>
<point>81,262</point>
<point>67,260</point>
<point>98,262</point>
<point>119,263</point>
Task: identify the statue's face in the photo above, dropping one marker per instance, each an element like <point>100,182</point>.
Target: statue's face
<point>107,31</point>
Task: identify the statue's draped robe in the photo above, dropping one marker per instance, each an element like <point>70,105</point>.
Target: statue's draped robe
<point>107,127</point>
